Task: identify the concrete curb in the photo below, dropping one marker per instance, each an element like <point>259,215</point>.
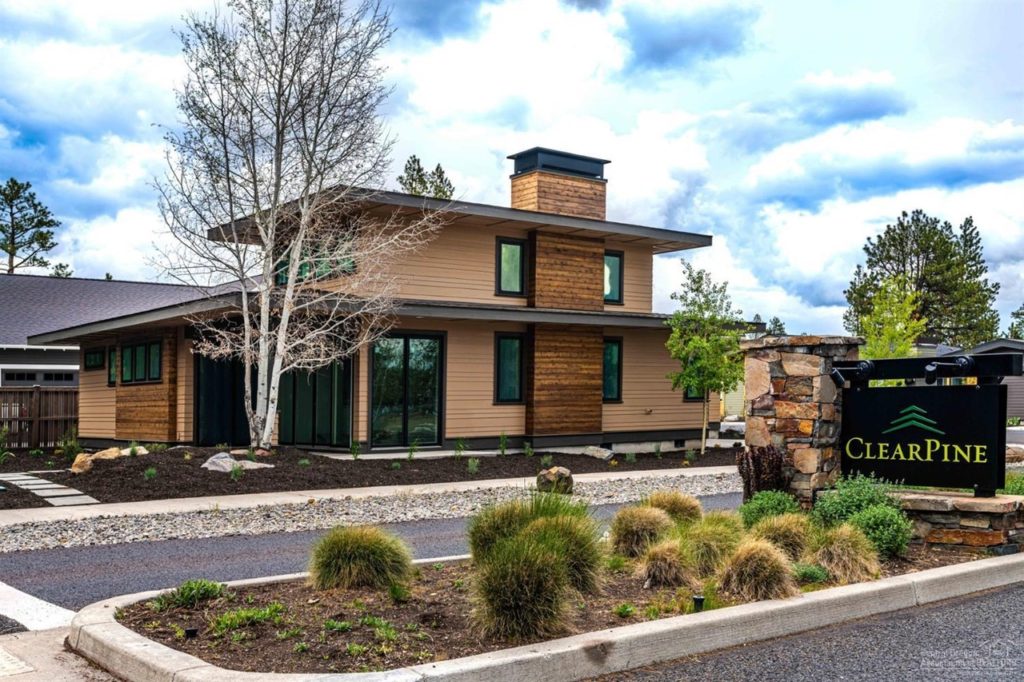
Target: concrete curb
<point>97,636</point>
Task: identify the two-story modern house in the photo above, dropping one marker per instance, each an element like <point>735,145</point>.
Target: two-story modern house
<point>533,321</point>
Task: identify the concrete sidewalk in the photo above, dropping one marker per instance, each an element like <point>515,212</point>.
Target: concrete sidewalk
<point>11,517</point>
<point>40,656</point>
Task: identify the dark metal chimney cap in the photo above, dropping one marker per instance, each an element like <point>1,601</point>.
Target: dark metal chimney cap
<point>541,158</point>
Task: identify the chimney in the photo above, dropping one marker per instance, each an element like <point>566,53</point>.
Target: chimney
<point>559,182</point>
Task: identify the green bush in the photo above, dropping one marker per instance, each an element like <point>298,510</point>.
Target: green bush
<point>498,522</point>
<point>809,574</point>
<point>633,529</point>
<point>846,553</point>
<point>521,590</point>
<point>359,556</point>
<point>188,595</point>
<point>851,495</point>
<point>789,532</point>
<point>707,543</point>
<point>682,508</point>
<point>240,618</point>
<point>1014,484</point>
<point>575,539</point>
<point>665,565</point>
<point>888,528</point>
<point>767,503</point>
<point>758,570</point>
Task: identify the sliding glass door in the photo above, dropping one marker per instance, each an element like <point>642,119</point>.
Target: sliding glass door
<point>406,390</point>
<point>316,407</point>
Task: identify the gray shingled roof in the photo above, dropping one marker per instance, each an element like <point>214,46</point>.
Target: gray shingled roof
<point>31,304</point>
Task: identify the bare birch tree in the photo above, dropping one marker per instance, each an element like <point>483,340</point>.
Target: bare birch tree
<point>267,188</point>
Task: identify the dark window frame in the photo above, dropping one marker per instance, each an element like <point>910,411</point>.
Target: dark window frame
<point>442,387</point>
<point>86,366</point>
<point>618,341</point>
<point>145,346</point>
<point>621,255</point>
<point>523,260</point>
<point>521,337</point>
<point>687,398</point>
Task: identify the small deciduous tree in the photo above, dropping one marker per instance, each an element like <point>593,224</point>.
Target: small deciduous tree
<point>893,325</point>
<point>279,154</point>
<point>415,180</point>
<point>705,340</point>
<point>26,227</point>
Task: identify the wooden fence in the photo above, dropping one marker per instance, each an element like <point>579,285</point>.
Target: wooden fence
<point>37,417</point>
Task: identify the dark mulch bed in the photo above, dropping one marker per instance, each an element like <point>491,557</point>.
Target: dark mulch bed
<point>12,497</point>
<point>9,626</point>
<point>434,625</point>
<point>22,461</point>
<point>123,480</point>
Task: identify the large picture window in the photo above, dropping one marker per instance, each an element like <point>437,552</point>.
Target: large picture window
<point>140,362</point>
<point>510,266</point>
<point>508,368</point>
<point>613,277</point>
<point>612,384</point>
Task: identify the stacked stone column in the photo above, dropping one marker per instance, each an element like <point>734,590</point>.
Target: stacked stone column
<point>792,403</point>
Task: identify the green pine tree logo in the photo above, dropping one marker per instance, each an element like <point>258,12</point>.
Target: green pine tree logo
<point>913,416</point>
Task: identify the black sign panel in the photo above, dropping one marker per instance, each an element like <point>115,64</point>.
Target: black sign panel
<point>947,436</point>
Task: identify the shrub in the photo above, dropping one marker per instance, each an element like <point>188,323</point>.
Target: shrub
<point>682,508</point>
<point>188,595</point>
<point>149,474</point>
<point>472,466</point>
<point>547,461</point>
<point>707,543</point>
<point>624,610</point>
<point>633,529</point>
<point>665,565</point>
<point>359,556</point>
<point>846,553</point>
<point>575,539</point>
<point>498,522</point>
<point>851,495</point>
<point>758,570</point>
<point>888,528</point>
<point>156,448</point>
<point>761,469</point>
<point>809,574</point>
<point>1014,484</point>
<point>69,445</point>
<point>789,532</point>
<point>240,618</point>
<point>767,503</point>
<point>521,590</point>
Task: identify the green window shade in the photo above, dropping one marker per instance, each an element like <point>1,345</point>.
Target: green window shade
<point>510,260</point>
<point>154,361</point>
<point>126,364</point>
<point>139,353</point>
<point>613,277</point>
<point>612,386</point>
<point>93,359</point>
<point>509,370</point>
<point>112,366</point>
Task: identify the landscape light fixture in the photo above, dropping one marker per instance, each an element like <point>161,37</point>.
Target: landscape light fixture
<point>698,603</point>
<point>191,633</point>
<point>837,377</point>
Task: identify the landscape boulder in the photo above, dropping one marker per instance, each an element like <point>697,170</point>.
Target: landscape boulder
<point>1014,454</point>
<point>555,480</point>
<point>83,462</point>
<point>225,463</point>
<point>598,453</point>
<point>139,450</point>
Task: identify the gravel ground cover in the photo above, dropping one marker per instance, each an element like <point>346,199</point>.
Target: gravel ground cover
<point>177,472</point>
<point>107,530</point>
<point>358,630</point>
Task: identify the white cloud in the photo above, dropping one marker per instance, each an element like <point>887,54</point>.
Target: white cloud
<point>122,245</point>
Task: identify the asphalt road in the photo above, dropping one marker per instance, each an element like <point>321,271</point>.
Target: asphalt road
<point>77,576</point>
<point>970,638</point>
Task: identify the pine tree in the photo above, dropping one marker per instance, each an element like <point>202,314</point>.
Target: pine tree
<point>1016,330</point>
<point>440,186</point>
<point>945,267</point>
<point>776,327</point>
<point>417,181</point>
<point>26,227</point>
<point>61,270</point>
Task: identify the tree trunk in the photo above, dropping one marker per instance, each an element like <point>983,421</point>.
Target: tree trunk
<point>705,408</point>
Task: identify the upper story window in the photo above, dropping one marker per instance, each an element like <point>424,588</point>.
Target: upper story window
<point>613,277</point>
<point>140,362</point>
<point>510,267</point>
<point>612,383</point>
<point>111,365</point>
<point>508,368</point>
<point>94,359</point>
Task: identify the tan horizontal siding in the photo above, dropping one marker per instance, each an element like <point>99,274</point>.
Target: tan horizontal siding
<point>637,274</point>
<point>97,402</point>
<point>645,387</point>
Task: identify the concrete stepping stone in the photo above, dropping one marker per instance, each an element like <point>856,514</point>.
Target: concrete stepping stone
<point>60,492</point>
<point>71,500</point>
<point>11,665</point>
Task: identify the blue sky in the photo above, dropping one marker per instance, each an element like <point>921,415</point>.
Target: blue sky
<point>791,131</point>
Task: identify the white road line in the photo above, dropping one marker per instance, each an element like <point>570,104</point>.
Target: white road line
<point>32,612</point>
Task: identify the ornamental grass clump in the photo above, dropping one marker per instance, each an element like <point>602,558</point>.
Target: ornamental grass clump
<point>359,556</point>
<point>682,508</point>
<point>634,529</point>
<point>707,543</point>
<point>853,494</point>
<point>758,570</point>
<point>767,503</point>
<point>521,590</point>
<point>789,532</point>
<point>846,553</point>
<point>665,565</point>
<point>575,539</point>
<point>888,528</point>
<point>500,521</point>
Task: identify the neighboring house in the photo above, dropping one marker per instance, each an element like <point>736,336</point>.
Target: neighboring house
<point>533,321</point>
<point>1015,385</point>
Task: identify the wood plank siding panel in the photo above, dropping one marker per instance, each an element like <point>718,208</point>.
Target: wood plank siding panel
<point>97,402</point>
<point>567,272</point>
<point>648,401</point>
<point>148,411</point>
<point>185,388</point>
<point>1014,396</point>
<point>563,388</point>
<point>559,193</point>
<point>637,278</point>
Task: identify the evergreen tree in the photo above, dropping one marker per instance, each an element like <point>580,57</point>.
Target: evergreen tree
<point>1016,330</point>
<point>945,267</point>
<point>26,227</point>
<point>776,327</point>
<point>705,340</point>
<point>415,180</point>
<point>61,270</point>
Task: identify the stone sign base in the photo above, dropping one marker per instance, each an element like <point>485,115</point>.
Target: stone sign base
<point>951,518</point>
